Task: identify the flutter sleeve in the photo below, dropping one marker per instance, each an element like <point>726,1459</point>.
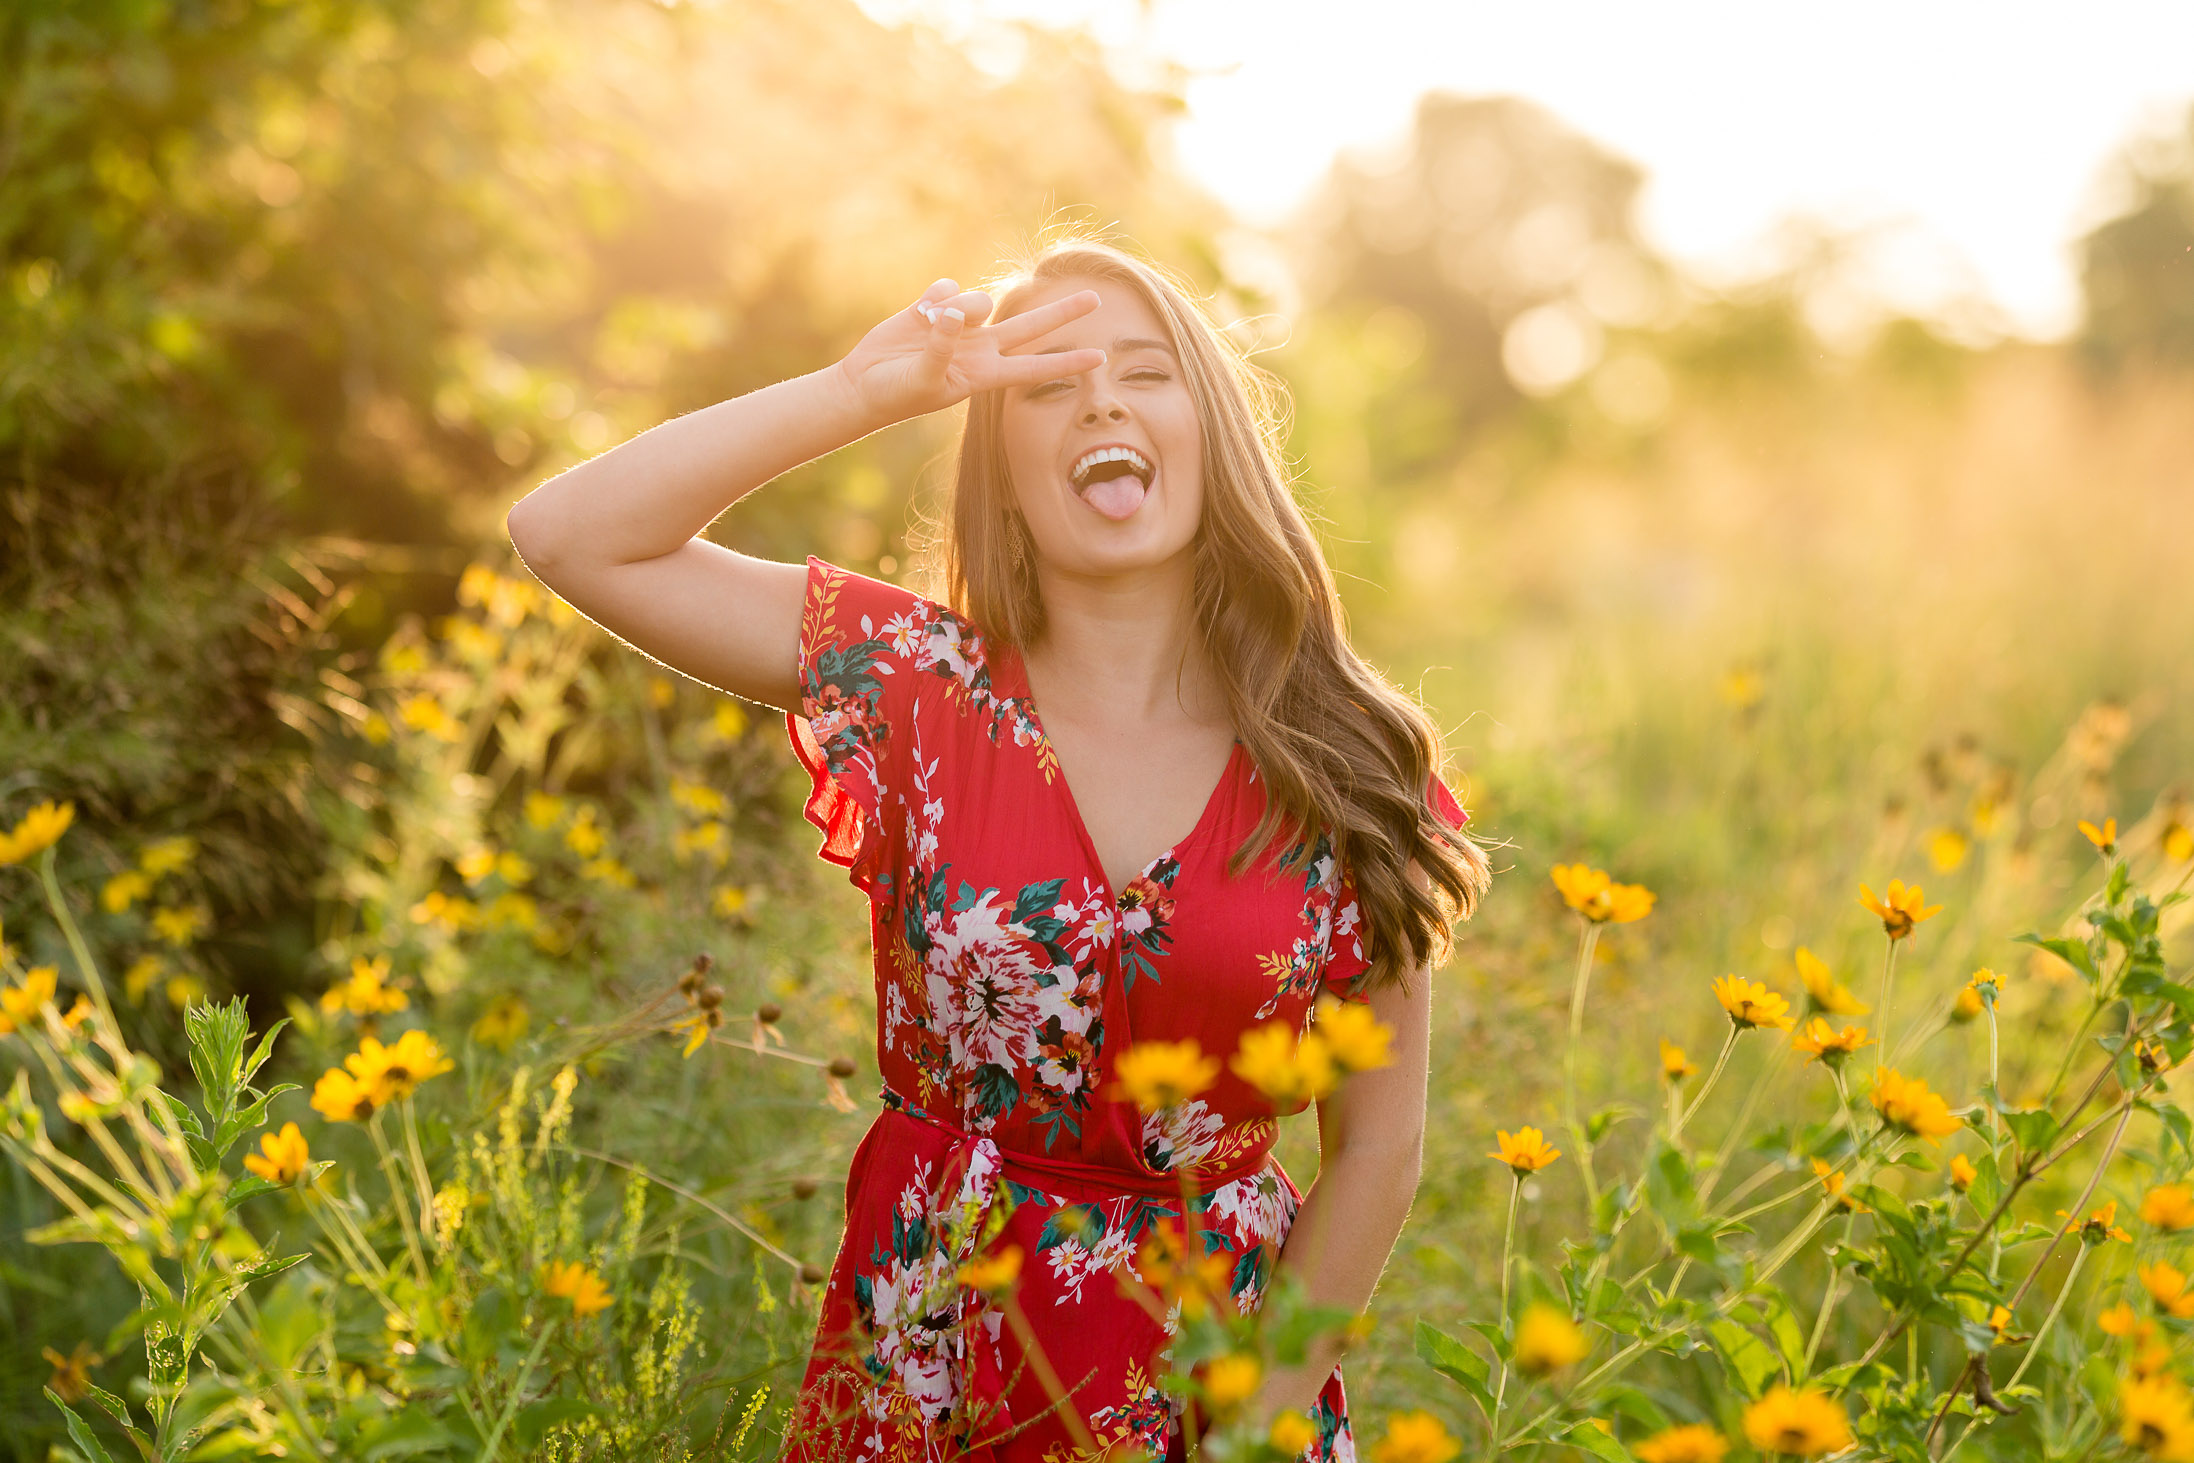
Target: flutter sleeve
<point>853,726</point>
<point>1348,963</point>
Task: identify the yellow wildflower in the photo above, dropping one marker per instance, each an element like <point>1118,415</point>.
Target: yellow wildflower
<point>544,810</point>
<point>1292,1433</point>
<point>163,856</point>
<point>727,723</point>
<point>2122,1320</point>
<point>2177,842</point>
<point>341,1098</point>
<point>396,1070</point>
<point>20,1003</point>
<point>512,909</point>
<point>1179,1269</point>
<point>1807,1424</point>
<point>1600,899</point>
<point>1946,849</point>
<point>2104,838</point>
<point>698,798</point>
<point>1962,1172</point>
<point>1899,908</point>
<point>502,1023</point>
<point>993,1272</point>
<point>285,1156</point>
<point>1231,1380</point>
<point>445,911</point>
<point>1286,1070</point>
<point>1693,1442</point>
<point>697,1026</point>
<point>71,1379</point>
<point>1750,1003</point>
<point>182,989</point>
<point>77,1014</point>
<point>142,972</point>
<point>1823,992</point>
<point>608,871</point>
<point>1547,1341</point>
<point>1675,1066</point>
<point>577,1284</point>
<point>39,830</point>
<point>367,992</point>
<point>1832,1179</point>
<point>123,890</point>
<point>1162,1074</point>
<point>2156,1416</point>
<point>584,836</point>
<point>476,864</point>
<point>1359,1041</point>
<point>2100,1226</point>
<point>707,839</point>
<point>729,901</point>
<point>662,690</point>
<point>1826,1045</point>
<point>178,925</point>
<point>1525,1150</point>
<point>1966,1005</point>
<point>2169,1207</point>
<point>1743,688</point>
<point>1415,1437</point>
<point>1907,1103</point>
<point>423,713</point>
<point>2166,1285</point>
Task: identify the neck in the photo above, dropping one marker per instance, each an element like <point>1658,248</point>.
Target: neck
<point>1125,646</point>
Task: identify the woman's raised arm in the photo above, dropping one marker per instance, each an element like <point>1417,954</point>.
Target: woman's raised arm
<point>618,536</point>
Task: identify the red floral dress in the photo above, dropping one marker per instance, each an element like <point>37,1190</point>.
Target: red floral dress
<point>1009,977</point>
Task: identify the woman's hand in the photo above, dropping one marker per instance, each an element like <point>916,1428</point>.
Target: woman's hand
<point>938,352</point>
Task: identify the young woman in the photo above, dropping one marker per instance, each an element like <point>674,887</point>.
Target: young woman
<point>1126,782</point>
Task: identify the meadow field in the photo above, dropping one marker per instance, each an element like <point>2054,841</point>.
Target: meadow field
<point>576,1033</point>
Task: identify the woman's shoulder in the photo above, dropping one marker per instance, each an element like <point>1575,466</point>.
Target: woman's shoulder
<point>850,619</point>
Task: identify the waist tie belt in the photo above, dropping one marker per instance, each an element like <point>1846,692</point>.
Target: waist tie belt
<point>958,1227</point>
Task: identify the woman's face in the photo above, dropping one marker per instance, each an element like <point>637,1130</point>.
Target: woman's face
<point>1107,466</point>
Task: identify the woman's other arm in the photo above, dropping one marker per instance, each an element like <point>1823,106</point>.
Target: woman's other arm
<point>1371,1150</point>
<point>618,537</point>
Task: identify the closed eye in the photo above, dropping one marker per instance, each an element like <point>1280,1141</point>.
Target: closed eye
<point>1147,374</point>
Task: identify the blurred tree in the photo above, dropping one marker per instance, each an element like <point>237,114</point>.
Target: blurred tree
<point>2137,269</point>
<point>1505,233</point>
<point>284,284</point>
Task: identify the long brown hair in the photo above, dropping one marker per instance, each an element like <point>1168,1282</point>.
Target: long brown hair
<point>1339,748</point>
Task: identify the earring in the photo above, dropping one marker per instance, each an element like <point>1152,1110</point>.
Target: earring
<point>1017,534</point>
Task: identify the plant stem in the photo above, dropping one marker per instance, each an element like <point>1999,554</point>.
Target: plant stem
<point>1721,1060</point>
<point>1508,1250</point>
<point>403,1210</point>
<point>1587,942</point>
<point>1829,1297</point>
<point>1889,969</point>
<point>517,1396</point>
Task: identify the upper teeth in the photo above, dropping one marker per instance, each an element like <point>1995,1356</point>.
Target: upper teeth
<point>1129,455</point>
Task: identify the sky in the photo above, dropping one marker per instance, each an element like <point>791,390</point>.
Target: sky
<point>1961,144</point>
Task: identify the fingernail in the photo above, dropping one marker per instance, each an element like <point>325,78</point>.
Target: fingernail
<point>929,312</point>
<point>956,314</point>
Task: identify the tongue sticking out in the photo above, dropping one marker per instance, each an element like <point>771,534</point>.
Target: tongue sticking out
<point>1116,498</point>
<point>1115,490</point>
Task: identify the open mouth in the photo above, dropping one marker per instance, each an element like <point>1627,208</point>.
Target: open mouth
<point>1113,480</point>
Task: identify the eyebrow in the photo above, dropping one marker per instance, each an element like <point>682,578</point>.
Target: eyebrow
<point>1120,346</point>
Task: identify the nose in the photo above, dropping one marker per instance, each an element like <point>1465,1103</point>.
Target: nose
<point>1099,402</point>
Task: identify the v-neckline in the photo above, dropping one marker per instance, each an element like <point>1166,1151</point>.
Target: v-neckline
<point>1212,800</point>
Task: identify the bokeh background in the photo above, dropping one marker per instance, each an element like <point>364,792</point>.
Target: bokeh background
<point>1747,584</point>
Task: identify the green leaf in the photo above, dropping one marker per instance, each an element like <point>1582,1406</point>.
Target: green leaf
<point>403,1434</point>
<point>1750,1363</point>
<point>1987,1187</point>
<point>79,1434</point>
<point>119,1410</point>
<point>2033,1129</point>
<point>2074,953</point>
<point>1635,1404</point>
<point>261,1052</point>
<point>265,1268</point>
<point>1457,1362</point>
<point>1587,1437</point>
